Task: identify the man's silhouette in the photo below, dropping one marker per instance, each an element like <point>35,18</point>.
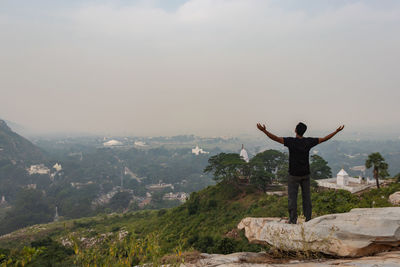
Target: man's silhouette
<point>299,166</point>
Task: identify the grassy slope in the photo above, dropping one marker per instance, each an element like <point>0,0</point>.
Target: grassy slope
<point>203,221</point>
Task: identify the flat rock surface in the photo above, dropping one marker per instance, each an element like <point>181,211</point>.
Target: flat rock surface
<point>386,259</point>
<point>359,232</point>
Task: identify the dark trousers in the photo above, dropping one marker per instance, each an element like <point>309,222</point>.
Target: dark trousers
<point>293,187</point>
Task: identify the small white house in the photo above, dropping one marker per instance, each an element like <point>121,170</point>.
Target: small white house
<point>342,178</point>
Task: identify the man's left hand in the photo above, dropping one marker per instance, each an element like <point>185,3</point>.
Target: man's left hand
<point>261,127</point>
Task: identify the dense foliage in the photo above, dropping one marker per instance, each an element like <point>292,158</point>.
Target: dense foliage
<point>30,206</point>
<point>268,166</point>
<point>319,168</point>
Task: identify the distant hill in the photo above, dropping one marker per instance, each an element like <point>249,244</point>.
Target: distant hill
<point>16,148</point>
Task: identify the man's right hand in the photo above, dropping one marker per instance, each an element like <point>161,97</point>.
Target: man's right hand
<point>340,128</point>
<point>263,129</point>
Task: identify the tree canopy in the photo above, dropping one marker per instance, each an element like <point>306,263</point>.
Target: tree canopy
<point>319,168</point>
<point>260,171</point>
<point>30,208</point>
<point>226,166</point>
<point>267,166</point>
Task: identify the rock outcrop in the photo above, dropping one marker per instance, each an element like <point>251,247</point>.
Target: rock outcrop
<point>385,259</point>
<point>395,198</point>
<point>356,233</point>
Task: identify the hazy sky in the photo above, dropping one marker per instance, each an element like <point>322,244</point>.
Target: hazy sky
<point>206,67</point>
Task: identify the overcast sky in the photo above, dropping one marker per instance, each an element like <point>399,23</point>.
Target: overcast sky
<point>207,67</point>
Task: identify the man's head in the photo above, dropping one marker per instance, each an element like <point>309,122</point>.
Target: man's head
<point>301,129</point>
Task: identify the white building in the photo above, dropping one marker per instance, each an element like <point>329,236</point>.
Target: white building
<point>140,143</point>
<point>38,169</point>
<point>345,182</point>
<point>112,143</point>
<point>57,167</point>
<point>181,196</point>
<point>159,186</point>
<point>31,186</point>
<point>197,151</point>
<point>244,155</point>
<point>80,185</point>
<point>342,178</point>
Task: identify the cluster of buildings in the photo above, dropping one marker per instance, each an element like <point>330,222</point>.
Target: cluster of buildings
<point>197,151</point>
<point>38,169</point>
<point>41,169</point>
<point>160,186</point>
<point>81,185</point>
<point>181,196</point>
<point>105,198</point>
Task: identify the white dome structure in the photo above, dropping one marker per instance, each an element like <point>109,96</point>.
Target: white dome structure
<point>112,143</point>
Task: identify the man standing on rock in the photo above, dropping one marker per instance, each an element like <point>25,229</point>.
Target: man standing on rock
<point>299,166</point>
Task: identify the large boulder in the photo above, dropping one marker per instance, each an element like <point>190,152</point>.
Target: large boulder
<point>247,259</point>
<point>356,233</point>
<point>395,198</point>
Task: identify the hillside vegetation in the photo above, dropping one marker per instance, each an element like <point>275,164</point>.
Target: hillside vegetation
<point>206,222</point>
<point>16,148</point>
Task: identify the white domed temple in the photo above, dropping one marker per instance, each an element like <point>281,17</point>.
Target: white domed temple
<point>345,182</point>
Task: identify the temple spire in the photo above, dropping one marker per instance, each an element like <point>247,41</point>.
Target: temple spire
<point>56,217</point>
<point>244,155</point>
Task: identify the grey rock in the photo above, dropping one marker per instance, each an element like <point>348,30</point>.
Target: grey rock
<point>356,233</point>
<point>243,259</point>
<point>395,198</point>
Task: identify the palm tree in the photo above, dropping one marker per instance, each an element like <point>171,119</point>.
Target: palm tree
<point>380,166</point>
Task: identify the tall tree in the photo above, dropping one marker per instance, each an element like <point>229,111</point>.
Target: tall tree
<point>380,166</point>
<point>266,166</point>
<point>319,168</point>
<point>226,167</point>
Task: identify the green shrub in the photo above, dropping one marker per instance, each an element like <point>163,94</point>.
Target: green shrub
<point>193,204</point>
<point>161,212</point>
<point>53,254</point>
<point>211,204</point>
<point>225,246</point>
<point>333,201</point>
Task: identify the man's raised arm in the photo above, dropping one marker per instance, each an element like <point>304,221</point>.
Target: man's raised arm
<point>263,129</point>
<point>329,136</point>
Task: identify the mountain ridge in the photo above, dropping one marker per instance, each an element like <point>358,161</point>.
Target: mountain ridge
<point>16,148</point>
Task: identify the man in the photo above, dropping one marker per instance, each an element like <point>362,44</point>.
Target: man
<point>299,166</point>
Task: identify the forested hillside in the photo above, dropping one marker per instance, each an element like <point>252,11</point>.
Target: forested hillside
<point>206,223</point>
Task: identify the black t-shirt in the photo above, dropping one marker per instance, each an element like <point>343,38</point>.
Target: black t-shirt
<point>299,149</point>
